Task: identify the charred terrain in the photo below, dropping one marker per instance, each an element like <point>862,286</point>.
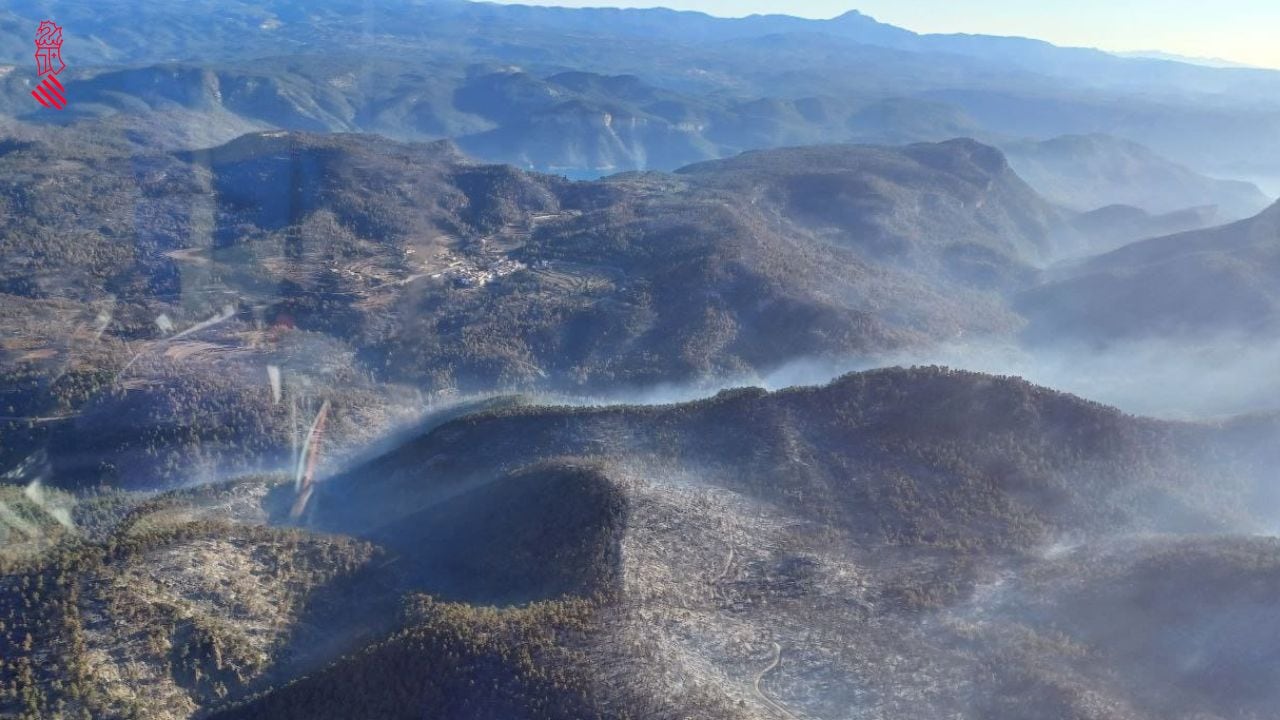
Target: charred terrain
<point>486,362</point>
<point>367,264</point>
<point>897,543</point>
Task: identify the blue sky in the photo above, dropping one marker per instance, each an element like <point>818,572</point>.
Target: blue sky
<point>1246,31</point>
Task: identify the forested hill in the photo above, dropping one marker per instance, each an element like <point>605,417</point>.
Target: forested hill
<point>528,561</point>
<point>161,287</point>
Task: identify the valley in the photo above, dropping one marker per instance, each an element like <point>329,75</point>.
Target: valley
<point>479,361</point>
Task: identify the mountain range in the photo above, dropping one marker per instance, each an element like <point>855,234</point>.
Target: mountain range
<point>674,87</point>
<point>418,266</point>
<point>486,362</point>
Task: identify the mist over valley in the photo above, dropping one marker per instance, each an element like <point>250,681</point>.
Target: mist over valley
<point>480,361</point>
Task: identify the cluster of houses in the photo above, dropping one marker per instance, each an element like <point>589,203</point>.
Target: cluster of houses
<point>466,272</point>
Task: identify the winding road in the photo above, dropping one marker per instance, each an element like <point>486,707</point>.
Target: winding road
<point>777,660</point>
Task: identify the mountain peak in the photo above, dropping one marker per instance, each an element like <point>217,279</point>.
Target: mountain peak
<point>959,155</point>
<point>866,29</point>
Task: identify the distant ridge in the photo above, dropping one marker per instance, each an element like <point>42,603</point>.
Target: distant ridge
<point>1212,62</point>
